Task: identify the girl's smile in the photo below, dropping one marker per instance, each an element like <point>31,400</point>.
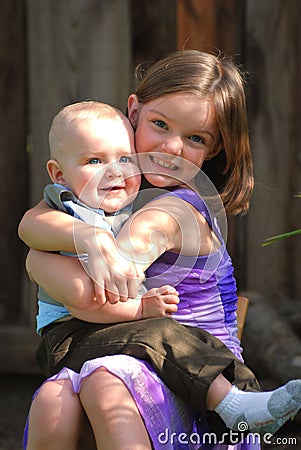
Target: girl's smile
<point>162,163</point>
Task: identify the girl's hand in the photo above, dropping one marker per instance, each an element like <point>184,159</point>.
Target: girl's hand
<point>115,277</point>
<point>160,302</point>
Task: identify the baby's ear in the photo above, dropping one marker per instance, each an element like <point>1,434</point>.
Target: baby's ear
<point>55,172</point>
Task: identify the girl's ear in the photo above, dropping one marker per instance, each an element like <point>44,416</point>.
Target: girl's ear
<point>55,172</point>
<point>215,151</point>
<point>133,109</point>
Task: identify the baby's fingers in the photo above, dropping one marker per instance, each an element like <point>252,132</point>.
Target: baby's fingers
<point>171,299</point>
<point>171,309</point>
<point>167,289</point>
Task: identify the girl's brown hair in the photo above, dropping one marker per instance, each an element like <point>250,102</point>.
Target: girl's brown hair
<point>219,79</point>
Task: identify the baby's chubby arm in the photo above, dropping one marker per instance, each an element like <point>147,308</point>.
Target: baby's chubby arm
<point>63,279</point>
<point>114,278</point>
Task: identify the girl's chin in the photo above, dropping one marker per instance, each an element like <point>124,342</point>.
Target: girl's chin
<point>162,180</point>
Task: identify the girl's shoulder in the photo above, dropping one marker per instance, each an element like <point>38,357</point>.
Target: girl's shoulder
<point>209,210</point>
<point>179,195</point>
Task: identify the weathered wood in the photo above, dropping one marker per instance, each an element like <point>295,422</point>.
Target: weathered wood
<point>271,346</point>
<point>13,160</point>
<point>81,50</point>
<point>217,26</point>
<point>267,36</point>
<point>273,49</point>
<point>210,25</point>
<point>242,309</point>
<point>153,29</point>
<point>78,50</point>
<point>18,346</point>
<point>268,39</point>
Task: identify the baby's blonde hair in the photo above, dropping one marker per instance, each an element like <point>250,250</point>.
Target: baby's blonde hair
<point>77,112</point>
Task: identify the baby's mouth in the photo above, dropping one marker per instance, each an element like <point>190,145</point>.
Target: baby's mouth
<point>163,163</point>
<point>111,188</point>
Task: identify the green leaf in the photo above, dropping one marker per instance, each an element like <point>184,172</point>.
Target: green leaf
<point>273,239</point>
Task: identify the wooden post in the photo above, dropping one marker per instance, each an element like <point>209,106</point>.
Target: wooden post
<point>13,161</point>
<point>273,49</point>
<point>210,25</point>
<point>77,51</point>
<point>214,26</point>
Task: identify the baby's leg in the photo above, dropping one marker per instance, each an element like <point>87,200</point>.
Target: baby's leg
<point>258,412</point>
<point>113,414</point>
<point>57,420</point>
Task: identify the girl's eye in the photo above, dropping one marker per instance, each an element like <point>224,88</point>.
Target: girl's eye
<point>124,159</point>
<point>94,161</point>
<point>160,123</point>
<point>197,139</point>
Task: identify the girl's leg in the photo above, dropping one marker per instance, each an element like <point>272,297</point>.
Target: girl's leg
<point>112,412</point>
<point>57,420</point>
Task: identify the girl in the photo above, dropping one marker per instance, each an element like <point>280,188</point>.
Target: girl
<point>187,108</point>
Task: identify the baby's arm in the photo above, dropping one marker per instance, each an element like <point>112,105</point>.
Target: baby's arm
<point>157,302</point>
<point>63,278</point>
<point>44,228</point>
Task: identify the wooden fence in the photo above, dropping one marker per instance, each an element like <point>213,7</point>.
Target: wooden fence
<point>54,52</point>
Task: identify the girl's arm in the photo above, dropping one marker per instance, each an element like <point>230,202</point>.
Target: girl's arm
<point>64,279</point>
<point>44,228</point>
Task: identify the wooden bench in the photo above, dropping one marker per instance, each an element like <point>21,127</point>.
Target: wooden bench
<point>242,308</point>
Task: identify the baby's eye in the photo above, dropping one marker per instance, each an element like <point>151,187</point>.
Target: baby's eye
<point>160,123</point>
<point>124,159</point>
<point>94,161</point>
<point>197,139</point>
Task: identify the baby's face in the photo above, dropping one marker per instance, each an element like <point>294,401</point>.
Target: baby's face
<point>99,163</point>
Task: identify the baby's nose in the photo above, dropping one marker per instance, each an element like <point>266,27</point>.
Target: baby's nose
<point>113,170</point>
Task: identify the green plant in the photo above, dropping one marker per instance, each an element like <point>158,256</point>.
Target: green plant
<point>278,237</point>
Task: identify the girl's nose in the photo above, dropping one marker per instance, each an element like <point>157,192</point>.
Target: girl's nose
<point>173,145</point>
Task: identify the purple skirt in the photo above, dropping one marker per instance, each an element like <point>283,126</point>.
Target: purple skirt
<point>171,424</point>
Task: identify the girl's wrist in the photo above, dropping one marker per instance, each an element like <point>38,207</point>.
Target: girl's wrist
<point>91,240</point>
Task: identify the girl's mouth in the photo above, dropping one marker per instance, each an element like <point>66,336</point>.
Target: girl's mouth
<point>162,163</point>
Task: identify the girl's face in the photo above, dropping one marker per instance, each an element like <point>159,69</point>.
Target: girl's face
<point>174,135</point>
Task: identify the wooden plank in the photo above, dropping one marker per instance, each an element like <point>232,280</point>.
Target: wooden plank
<point>17,309</point>
<point>273,46</point>
<point>18,346</point>
<point>209,25</point>
<point>13,161</point>
<point>153,33</point>
<point>75,54</point>
<point>214,26</point>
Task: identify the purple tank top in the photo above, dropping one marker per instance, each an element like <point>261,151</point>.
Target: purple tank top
<point>206,285</point>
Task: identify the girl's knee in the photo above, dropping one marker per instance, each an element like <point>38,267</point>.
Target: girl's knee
<point>55,417</point>
<point>96,379</point>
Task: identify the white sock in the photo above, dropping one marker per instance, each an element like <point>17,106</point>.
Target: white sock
<point>260,412</point>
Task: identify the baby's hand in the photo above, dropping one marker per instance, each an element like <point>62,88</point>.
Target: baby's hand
<point>160,302</point>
